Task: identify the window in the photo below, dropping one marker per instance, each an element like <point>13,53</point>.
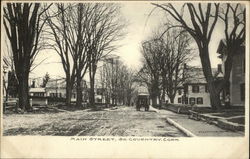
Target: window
<point>99,100</point>
<point>73,95</point>
<point>191,100</point>
<point>179,100</point>
<point>179,91</point>
<point>38,94</point>
<point>199,100</point>
<point>99,92</point>
<point>242,92</point>
<point>186,100</point>
<point>195,89</point>
<point>52,94</point>
<point>206,88</point>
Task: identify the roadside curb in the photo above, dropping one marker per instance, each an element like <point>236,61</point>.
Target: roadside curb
<point>153,109</point>
<point>181,128</point>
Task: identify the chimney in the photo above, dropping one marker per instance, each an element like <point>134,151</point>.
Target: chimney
<point>219,68</point>
<point>33,84</point>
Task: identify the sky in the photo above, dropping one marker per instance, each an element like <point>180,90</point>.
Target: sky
<point>140,27</point>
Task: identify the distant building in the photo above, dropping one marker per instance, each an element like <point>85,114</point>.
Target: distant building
<point>38,96</point>
<point>237,77</point>
<point>57,88</point>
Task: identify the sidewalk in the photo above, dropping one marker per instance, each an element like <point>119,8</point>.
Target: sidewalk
<point>196,128</point>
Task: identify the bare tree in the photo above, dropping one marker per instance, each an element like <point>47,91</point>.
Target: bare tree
<point>151,67</point>
<point>203,20</point>
<point>23,24</point>
<point>104,30</point>
<point>70,25</point>
<point>175,53</point>
<point>117,80</point>
<point>58,22</point>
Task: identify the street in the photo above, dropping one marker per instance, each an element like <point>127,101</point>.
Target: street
<point>123,121</point>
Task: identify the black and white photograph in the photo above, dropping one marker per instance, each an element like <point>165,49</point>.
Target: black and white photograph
<point>142,71</point>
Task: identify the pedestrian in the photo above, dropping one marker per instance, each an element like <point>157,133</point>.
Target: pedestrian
<point>227,101</point>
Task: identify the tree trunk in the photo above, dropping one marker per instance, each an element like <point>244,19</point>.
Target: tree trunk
<point>154,100</point>
<point>68,91</point>
<point>206,66</point>
<point>92,93</point>
<point>23,92</point>
<point>78,90</point>
<point>171,99</point>
<point>214,98</point>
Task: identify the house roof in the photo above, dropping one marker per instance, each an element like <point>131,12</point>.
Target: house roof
<point>222,45</point>
<point>56,83</point>
<point>194,75</point>
<point>37,90</point>
<point>61,83</point>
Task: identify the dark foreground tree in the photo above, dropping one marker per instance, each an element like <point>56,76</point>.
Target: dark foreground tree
<point>23,24</point>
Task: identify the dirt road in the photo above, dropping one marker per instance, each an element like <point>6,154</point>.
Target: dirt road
<point>123,121</point>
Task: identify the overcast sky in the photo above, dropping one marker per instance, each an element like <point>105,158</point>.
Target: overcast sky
<point>139,28</point>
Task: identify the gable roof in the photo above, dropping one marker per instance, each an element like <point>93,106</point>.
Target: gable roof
<point>37,90</point>
<point>56,83</point>
<point>194,75</point>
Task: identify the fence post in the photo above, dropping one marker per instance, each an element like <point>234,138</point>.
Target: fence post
<point>30,102</point>
<point>17,105</point>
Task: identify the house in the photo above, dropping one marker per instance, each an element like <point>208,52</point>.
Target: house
<point>57,88</point>
<point>5,80</point>
<point>194,88</point>
<point>237,76</point>
<point>38,96</point>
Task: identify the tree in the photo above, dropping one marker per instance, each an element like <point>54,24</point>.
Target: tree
<point>69,28</point>
<point>175,52</point>
<point>23,24</point>
<point>165,55</point>
<point>58,23</point>
<point>203,20</point>
<point>117,81</point>
<point>104,31</point>
<point>45,80</point>
<point>151,67</point>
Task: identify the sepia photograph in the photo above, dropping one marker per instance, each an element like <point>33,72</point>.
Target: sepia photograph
<point>140,71</point>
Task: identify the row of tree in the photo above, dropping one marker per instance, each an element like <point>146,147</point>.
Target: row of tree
<point>80,33</point>
<point>199,20</point>
<point>118,82</point>
<point>164,59</point>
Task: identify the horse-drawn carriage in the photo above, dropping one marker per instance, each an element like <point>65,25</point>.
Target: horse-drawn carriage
<point>142,101</point>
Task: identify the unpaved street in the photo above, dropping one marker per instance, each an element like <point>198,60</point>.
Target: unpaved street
<point>123,121</point>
